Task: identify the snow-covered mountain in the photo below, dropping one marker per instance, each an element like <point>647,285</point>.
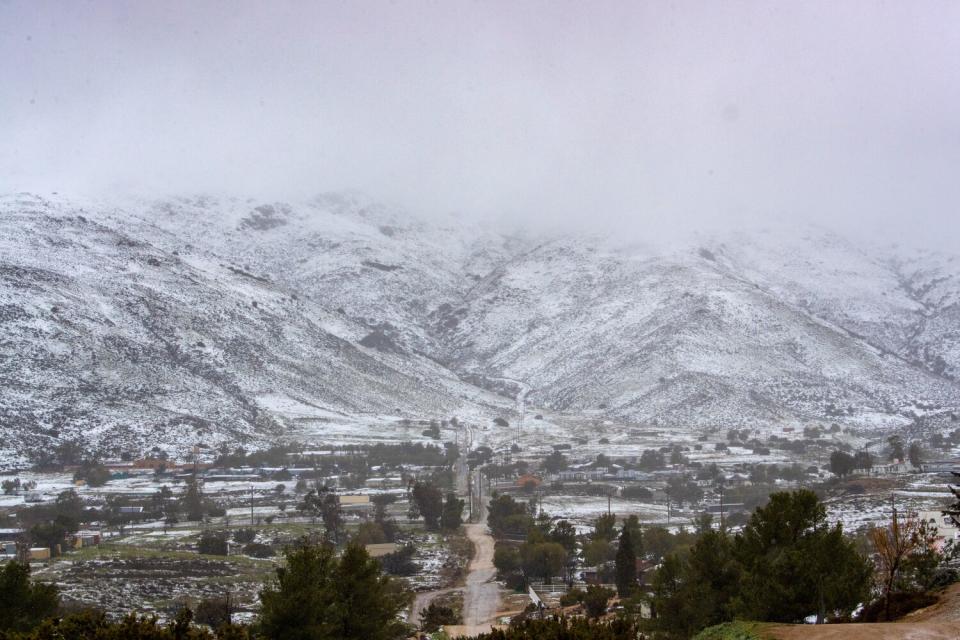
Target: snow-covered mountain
<point>133,323</point>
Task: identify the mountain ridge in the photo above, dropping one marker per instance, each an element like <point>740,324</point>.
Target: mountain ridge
<point>358,309</point>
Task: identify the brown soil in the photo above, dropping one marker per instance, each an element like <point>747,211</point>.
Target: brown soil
<point>940,621</point>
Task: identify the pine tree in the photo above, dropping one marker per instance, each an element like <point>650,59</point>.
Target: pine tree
<point>953,511</point>
<point>626,563</point>
<point>192,502</point>
<point>429,501</point>
<point>23,604</point>
<point>452,516</point>
<point>367,602</point>
<point>299,606</point>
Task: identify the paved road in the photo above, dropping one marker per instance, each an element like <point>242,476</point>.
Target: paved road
<point>481,599</point>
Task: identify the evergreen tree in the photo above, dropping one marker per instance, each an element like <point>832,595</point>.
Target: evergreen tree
<point>841,464</point>
<point>192,501</point>
<point>542,560</point>
<point>795,564</point>
<point>896,448</point>
<point>326,504</point>
<point>953,511</point>
<point>626,563</point>
<point>429,502</point>
<point>555,462</point>
<point>452,516</point>
<point>24,604</point>
<point>696,592</point>
<point>915,454</point>
<point>367,602</point>
<point>507,516</point>
<point>632,523</point>
<point>319,597</point>
<point>605,527</point>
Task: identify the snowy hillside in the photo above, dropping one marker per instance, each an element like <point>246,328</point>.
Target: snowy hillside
<point>138,323</point>
<point>695,337</point>
<point>124,337</point>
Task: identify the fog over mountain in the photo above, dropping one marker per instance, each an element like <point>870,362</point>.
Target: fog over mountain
<point>217,218</point>
<point>644,117</point>
<point>134,322</point>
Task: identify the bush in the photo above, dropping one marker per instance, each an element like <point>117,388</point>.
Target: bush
<point>572,597</point>
<point>243,536</point>
<point>214,544</point>
<point>94,474</point>
<point>258,550</point>
<point>595,600</point>
<point>436,616</point>
<point>732,631</point>
<point>636,492</point>
<point>216,511</point>
<point>400,562</point>
<point>900,605</point>
<point>214,612</point>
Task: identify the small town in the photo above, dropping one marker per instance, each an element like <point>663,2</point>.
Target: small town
<point>157,535</point>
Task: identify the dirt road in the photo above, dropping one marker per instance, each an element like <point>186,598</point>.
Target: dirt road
<point>481,598</point>
<point>422,600</point>
<point>940,621</point>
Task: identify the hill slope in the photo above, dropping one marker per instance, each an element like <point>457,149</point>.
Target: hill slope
<point>133,323</point>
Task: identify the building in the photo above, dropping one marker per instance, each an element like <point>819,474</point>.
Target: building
<point>39,554</point>
<point>380,550</point>
<point>941,466</point>
<point>946,528</point>
<point>528,480</point>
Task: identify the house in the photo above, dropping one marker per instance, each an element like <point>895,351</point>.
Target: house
<point>385,482</point>
<point>568,476</point>
<point>946,528</point>
<point>726,507</point>
<point>940,466</point>
<point>39,553</point>
<point>85,539</point>
<point>894,468</point>
<point>528,480</point>
<point>380,550</point>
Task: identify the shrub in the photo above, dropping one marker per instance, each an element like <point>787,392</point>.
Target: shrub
<point>436,616</point>
<point>258,550</point>
<point>214,612</point>
<point>900,605</point>
<point>214,544</point>
<point>572,597</point>
<point>244,536</point>
<point>636,492</point>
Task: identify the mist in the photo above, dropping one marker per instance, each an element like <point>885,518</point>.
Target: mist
<point>642,116</point>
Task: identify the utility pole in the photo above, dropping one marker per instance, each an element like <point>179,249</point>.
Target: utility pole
<point>470,494</point>
<point>251,505</point>
<point>720,488</point>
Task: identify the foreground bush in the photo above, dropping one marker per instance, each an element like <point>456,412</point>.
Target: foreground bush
<point>565,629</point>
<point>95,626</point>
<point>23,604</point>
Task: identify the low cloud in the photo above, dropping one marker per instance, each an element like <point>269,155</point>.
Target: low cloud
<point>646,116</point>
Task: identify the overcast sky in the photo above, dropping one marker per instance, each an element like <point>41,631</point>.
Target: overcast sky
<point>646,113</point>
